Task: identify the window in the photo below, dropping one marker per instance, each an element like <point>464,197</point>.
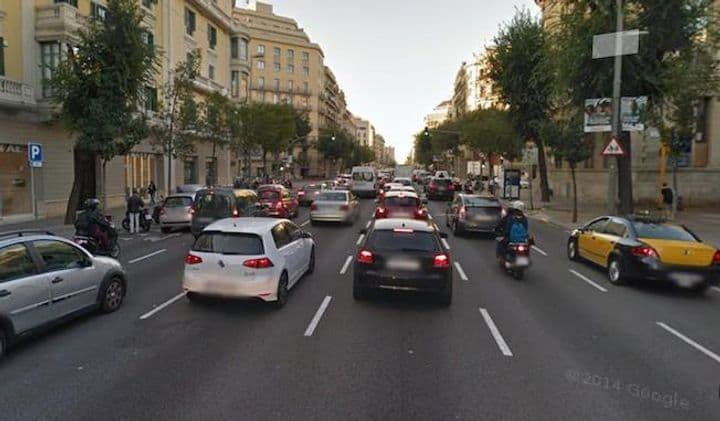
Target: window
<point>211,72</point>
<point>275,99</point>
<point>291,85</point>
<point>293,231</point>
<point>49,59</point>
<point>649,230</point>
<point>59,256</point>
<point>243,49</point>
<point>178,202</point>
<point>151,99</point>
<point>148,3</point>
<point>597,226</point>
<point>291,68</point>
<point>281,236</point>
<point>261,50</point>
<point>227,243</point>
<point>261,82</point>
<point>149,38</point>
<point>212,36</point>
<point>276,66</point>
<point>260,64</point>
<point>189,22</point>
<point>70,2</point>
<point>305,87</point>
<point>2,56</point>
<point>15,262</point>
<point>235,48</point>
<point>290,55</point>
<point>305,57</point>
<point>98,11</point>
<point>306,71</point>
<point>276,53</point>
<point>616,228</point>
<point>276,84</point>
<point>235,83</point>
<point>392,241</point>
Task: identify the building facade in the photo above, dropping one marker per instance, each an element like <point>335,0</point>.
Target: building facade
<point>365,132</point>
<point>472,89</point>
<point>439,115</point>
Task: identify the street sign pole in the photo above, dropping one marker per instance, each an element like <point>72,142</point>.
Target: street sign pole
<point>616,124</point>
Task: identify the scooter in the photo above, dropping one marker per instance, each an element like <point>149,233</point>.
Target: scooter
<point>516,258</point>
<point>92,245</point>
<point>145,221</point>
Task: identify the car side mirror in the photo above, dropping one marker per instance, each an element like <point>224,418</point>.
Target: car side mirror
<point>443,235</point>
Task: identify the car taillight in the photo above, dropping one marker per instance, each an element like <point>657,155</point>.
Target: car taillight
<point>451,187</point>
<point>301,193</point>
<point>313,207</point>
<point>420,214</point>
<point>192,210</point>
<point>162,211</point>
<point>365,257</point>
<point>260,263</point>
<point>441,261</point>
<point>344,207</point>
<point>503,212</point>
<point>381,213</point>
<point>716,258</point>
<point>191,259</point>
<point>644,251</point>
<point>280,205</point>
<point>521,248</point>
<point>236,213</point>
<point>462,212</point>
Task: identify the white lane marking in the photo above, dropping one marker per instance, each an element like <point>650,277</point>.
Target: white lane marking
<point>147,256</point>
<point>368,224</point>
<point>360,239</point>
<point>445,243</point>
<point>539,250</point>
<point>346,265</point>
<point>588,280</point>
<point>159,308</point>
<point>318,315</point>
<point>461,271</point>
<point>716,289</point>
<point>504,348</point>
<point>304,223</point>
<point>690,342</point>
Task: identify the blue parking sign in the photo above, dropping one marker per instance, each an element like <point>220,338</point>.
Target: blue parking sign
<point>35,154</point>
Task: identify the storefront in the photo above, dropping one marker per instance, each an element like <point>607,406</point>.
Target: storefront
<point>190,173</point>
<point>140,169</point>
<point>15,181</point>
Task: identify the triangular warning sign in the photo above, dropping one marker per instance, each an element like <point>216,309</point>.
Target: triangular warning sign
<point>614,148</point>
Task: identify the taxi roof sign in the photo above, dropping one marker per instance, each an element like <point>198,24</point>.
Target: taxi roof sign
<point>614,148</point>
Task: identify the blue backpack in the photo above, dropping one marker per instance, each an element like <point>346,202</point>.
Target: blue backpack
<point>518,233</point>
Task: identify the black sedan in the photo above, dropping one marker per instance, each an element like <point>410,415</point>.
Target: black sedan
<point>403,255</point>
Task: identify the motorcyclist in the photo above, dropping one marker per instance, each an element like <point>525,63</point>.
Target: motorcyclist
<point>92,223</point>
<point>506,230</point>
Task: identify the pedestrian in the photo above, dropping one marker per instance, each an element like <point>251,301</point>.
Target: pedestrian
<point>668,198</point>
<point>134,205</point>
<point>152,189</point>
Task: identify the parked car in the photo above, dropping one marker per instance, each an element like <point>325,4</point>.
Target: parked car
<point>249,258</point>
<point>176,212</point>
<point>401,204</point>
<point>335,206</point>
<point>403,255</point>
<point>474,213</point>
<point>440,188</point>
<point>279,202</point>
<point>214,204</point>
<point>45,279</point>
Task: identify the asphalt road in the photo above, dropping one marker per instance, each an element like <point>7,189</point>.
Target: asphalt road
<point>555,346</point>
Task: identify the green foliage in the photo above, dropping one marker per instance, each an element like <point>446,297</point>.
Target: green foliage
<point>567,139</point>
<point>215,111</point>
<point>101,85</point>
<point>336,144</point>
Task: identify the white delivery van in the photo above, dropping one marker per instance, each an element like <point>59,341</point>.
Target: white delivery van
<point>363,182</point>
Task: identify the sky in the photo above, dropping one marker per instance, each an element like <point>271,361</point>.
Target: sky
<point>397,59</point>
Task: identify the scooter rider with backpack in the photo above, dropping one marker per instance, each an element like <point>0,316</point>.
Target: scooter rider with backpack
<point>513,228</point>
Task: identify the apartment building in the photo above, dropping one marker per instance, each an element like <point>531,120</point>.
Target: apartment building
<point>439,114</point>
<point>365,131</point>
<point>35,36</point>
<point>473,90</point>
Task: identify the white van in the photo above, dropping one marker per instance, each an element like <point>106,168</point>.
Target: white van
<point>363,182</point>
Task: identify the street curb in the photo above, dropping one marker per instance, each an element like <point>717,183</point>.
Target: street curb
<point>549,221</point>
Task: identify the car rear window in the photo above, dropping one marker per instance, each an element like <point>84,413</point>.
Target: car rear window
<point>333,196</point>
<point>229,243</point>
<point>396,241</point>
<point>654,231</point>
<point>442,181</point>
<point>178,202</point>
<point>363,176</point>
<point>213,204</point>
<point>270,195</point>
<point>481,202</point>
<point>402,201</point>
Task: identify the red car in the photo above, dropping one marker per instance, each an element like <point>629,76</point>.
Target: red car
<point>278,200</point>
<point>401,204</point>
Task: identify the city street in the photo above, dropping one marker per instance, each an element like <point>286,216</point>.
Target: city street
<point>562,344</point>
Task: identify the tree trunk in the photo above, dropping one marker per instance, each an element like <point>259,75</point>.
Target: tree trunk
<point>264,161</point>
<point>169,172</point>
<point>103,185</point>
<point>83,182</point>
<point>676,197</point>
<point>574,188</point>
<point>542,168</point>
<point>625,188</point>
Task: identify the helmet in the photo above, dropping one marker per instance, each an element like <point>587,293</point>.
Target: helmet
<point>517,205</point>
<point>92,204</point>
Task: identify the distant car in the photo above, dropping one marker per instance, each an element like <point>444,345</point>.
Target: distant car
<point>364,182</point>
<point>401,204</point>
<point>646,248</point>
<point>335,206</point>
<point>440,188</point>
<point>403,255</point>
<point>441,174</point>
<point>474,213</point>
<point>343,179</point>
<point>176,212</point>
<point>279,202</point>
<point>249,258</point>
<point>45,279</point>
<point>213,204</point>
<point>310,192</point>
<point>403,180</point>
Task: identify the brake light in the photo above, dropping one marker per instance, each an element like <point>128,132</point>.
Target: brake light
<point>191,259</point>
<point>301,193</point>
<point>236,213</point>
<point>279,205</point>
<point>462,211</point>
<point>451,187</point>
<point>521,248</point>
<point>192,210</point>
<point>404,230</point>
<point>644,251</point>
<point>716,258</point>
<point>503,212</point>
<point>441,261</point>
<point>420,214</point>
<point>365,257</point>
<point>381,213</point>
<point>261,263</point>
<point>313,207</point>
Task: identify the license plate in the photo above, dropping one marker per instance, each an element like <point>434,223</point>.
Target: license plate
<point>441,188</point>
<point>403,264</point>
<point>522,261</point>
<point>686,279</point>
<point>481,218</point>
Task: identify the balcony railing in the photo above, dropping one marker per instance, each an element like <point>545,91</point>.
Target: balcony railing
<point>282,90</point>
<point>16,94</point>
<point>56,21</point>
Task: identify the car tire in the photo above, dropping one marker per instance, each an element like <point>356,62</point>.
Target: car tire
<point>193,297</point>
<point>457,231</point>
<point>572,250</point>
<point>282,291</point>
<point>164,230</point>
<point>3,343</point>
<point>126,224</point>
<point>445,297</point>
<point>311,264</point>
<point>615,271</point>
<point>112,295</point>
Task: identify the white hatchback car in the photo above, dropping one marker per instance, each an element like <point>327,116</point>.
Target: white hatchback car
<point>249,258</point>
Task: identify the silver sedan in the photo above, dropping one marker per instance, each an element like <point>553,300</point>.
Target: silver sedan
<point>335,206</point>
<point>176,212</point>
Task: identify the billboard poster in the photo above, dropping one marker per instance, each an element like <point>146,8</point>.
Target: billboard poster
<point>598,114</point>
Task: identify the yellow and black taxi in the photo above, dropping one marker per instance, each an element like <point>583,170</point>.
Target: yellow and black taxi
<point>646,248</point>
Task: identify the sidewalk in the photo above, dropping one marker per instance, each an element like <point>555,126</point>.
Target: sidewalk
<point>57,225</point>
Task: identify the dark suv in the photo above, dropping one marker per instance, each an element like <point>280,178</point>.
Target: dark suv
<point>469,212</point>
<point>440,188</point>
<point>214,204</point>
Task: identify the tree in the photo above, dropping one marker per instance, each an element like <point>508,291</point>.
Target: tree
<point>518,67</point>
<point>216,112</point>
<point>423,148</point>
<point>100,88</point>
<point>279,128</point>
<point>336,145</point>
<point>303,128</point>
<point>176,124</point>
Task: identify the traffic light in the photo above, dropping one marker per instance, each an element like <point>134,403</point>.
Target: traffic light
<point>332,138</point>
<point>426,132</point>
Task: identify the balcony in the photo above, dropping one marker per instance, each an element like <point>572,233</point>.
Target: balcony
<point>57,21</point>
<point>282,90</point>
<point>207,86</point>
<point>16,94</point>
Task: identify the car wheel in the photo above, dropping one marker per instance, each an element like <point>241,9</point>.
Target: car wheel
<point>311,264</point>
<point>614,270</point>
<point>193,297</point>
<point>445,298</point>
<point>457,230</point>
<point>282,291</point>
<point>115,250</point>
<point>126,224</point>
<point>3,343</point>
<point>165,230</point>
<point>112,295</point>
<point>572,250</point>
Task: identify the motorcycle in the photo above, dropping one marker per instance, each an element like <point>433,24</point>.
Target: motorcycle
<point>516,258</point>
<point>145,221</point>
<point>468,188</point>
<point>92,245</point>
